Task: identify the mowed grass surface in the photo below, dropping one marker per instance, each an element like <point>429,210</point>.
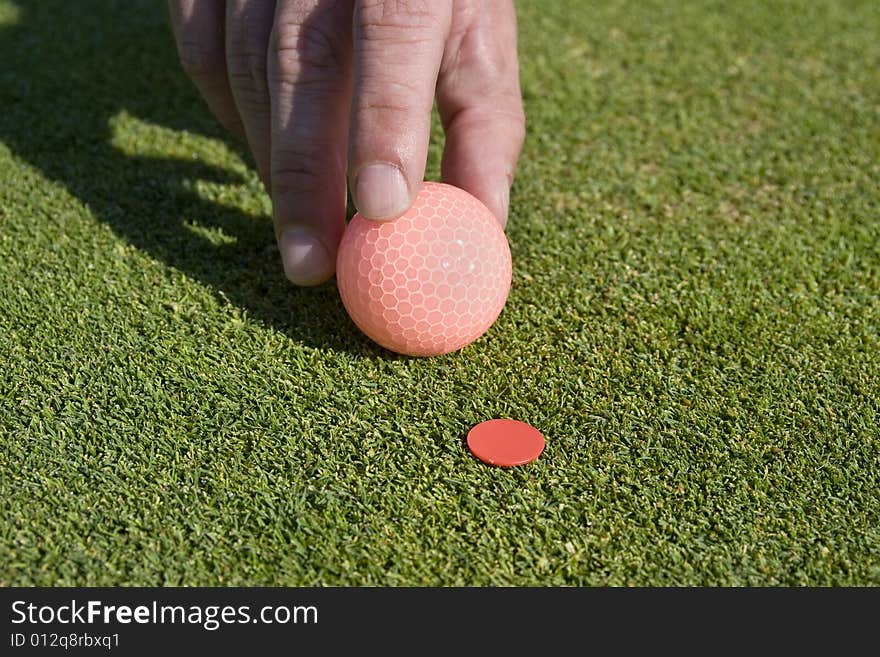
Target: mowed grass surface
<point>694,323</point>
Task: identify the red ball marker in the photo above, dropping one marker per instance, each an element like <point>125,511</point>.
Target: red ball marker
<point>505,443</point>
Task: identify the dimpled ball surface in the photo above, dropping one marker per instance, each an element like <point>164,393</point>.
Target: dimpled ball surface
<point>431,281</point>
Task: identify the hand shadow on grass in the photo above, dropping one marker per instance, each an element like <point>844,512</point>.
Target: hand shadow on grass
<point>66,70</point>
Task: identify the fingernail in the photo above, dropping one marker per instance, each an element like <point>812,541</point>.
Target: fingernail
<point>504,204</point>
<point>381,192</point>
<point>305,257</point>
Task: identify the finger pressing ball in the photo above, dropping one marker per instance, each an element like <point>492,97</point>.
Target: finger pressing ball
<point>431,281</point>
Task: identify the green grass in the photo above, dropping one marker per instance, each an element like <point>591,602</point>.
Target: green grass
<point>694,323</point>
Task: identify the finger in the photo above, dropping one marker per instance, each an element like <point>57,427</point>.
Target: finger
<point>248,25</point>
<point>398,47</point>
<point>199,34</point>
<point>480,104</point>
<point>310,92</point>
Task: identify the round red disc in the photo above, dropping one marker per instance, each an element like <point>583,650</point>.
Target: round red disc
<point>505,442</point>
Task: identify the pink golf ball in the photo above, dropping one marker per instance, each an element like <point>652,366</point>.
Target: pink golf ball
<point>431,281</point>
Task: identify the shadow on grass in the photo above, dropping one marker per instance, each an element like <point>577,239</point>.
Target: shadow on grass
<point>69,68</point>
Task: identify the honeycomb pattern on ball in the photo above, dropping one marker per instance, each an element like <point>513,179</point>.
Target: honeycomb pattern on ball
<point>431,281</point>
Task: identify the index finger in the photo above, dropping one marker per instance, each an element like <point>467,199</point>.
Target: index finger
<point>398,47</point>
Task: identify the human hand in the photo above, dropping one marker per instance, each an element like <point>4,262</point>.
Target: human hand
<point>329,90</point>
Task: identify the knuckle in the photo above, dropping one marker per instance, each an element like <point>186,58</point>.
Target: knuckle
<point>489,64</point>
<point>246,61</point>
<point>300,52</point>
<point>495,65</point>
<point>383,19</point>
<point>200,61</point>
<point>386,95</point>
<point>248,69</point>
<point>499,115</point>
<point>291,180</point>
<point>301,169</point>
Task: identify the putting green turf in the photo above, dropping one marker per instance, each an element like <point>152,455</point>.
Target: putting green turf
<point>694,323</point>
